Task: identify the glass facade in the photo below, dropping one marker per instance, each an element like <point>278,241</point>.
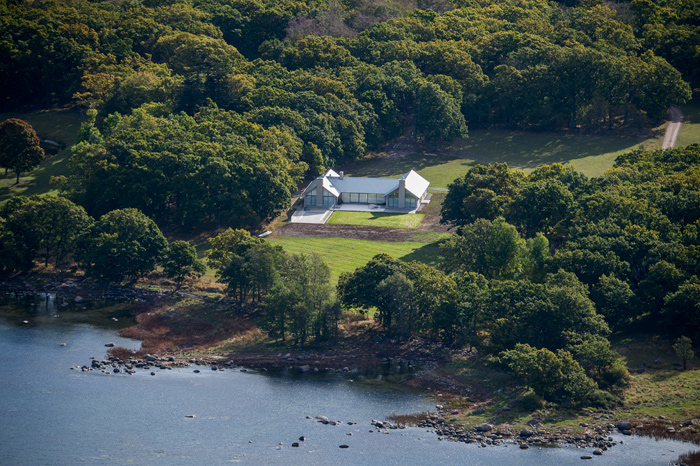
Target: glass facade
<point>410,201</point>
<point>393,200</point>
<point>327,199</point>
<point>311,198</point>
<point>363,198</point>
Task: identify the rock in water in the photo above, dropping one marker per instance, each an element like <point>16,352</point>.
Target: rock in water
<point>345,446</point>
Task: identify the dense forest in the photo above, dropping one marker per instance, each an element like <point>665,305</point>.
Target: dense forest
<point>229,104</point>
<point>210,113</point>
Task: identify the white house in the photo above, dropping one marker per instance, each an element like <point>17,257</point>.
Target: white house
<point>331,189</point>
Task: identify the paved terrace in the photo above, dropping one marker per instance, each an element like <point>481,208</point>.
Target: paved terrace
<point>320,215</point>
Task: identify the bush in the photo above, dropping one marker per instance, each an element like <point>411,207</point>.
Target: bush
<point>531,402</point>
<point>616,376</point>
<point>603,400</point>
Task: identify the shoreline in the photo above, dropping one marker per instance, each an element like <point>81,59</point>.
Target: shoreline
<point>360,355</point>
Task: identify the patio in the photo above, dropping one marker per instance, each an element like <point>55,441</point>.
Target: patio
<point>319,215</point>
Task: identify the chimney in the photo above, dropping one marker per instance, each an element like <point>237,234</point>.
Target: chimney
<point>341,175</point>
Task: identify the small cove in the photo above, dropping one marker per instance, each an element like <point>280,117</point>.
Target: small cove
<point>56,416</point>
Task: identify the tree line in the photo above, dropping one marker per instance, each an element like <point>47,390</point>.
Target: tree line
<point>211,102</point>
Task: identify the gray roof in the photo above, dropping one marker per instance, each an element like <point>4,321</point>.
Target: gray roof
<point>336,184</point>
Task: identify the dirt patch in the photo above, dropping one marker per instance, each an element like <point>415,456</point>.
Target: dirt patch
<point>390,235</point>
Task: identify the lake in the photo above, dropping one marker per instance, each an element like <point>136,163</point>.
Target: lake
<point>52,415</point>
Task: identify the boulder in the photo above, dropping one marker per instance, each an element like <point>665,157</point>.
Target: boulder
<point>484,427</point>
<point>598,452</point>
<point>624,425</point>
<point>526,433</point>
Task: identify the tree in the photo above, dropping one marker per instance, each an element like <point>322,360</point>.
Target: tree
<point>50,225</point>
<point>613,299</point>
<point>301,300</point>
<point>683,306</point>
<point>540,206</point>
<point>19,146</point>
<point>483,192</point>
<point>122,244</point>
<point>438,116</point>
<point>395,303</point>
<point>492,249</point>
<point>551,376</point>
<point>684,350</point>
<point>180,262</point>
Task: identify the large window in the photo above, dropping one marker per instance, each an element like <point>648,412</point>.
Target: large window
<point>311,198</point>
<point>393,200</point>
<point>327,199</point>
<point>363,198</point>
<point>410,201</point>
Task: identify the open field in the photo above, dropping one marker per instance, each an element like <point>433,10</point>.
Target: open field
<point>376,219</point>
<point>690,130</point>
<point>441,164</point>
<point>345,254</point>
<point>59,125</point>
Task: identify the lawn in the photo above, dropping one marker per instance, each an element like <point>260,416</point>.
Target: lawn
<point>441,164</point>
<point>59,125</point>
<point>690,130</point>
<point>376,219</point>
<point>345,255</point>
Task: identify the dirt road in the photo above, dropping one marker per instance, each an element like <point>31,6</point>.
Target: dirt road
<point>674,127</point>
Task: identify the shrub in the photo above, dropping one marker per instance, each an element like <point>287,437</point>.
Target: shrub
<point>603,400</point>
<point>531,402</point>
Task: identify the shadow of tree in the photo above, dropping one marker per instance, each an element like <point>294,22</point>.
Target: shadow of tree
<point>429,254</point>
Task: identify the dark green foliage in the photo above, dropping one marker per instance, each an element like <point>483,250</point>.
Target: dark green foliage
<point>531,402</point>
<point>492,249</point>
<point>554,377</point>
<point>180,262</point>
<point>122,244</point>
<point>603,400</point>
<point>19,147</point>
<point>301,301</point>
<point>484,192</point>
<point>40,226</point>
<point>684,350</point>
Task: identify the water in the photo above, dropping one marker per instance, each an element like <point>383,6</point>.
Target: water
<point>52,415</point>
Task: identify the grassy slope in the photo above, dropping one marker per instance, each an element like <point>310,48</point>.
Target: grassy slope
<point>59,125</point>
<point>345,255</point>
<point>591,154</point>
<point>690,131</point>
<point>376,219</point>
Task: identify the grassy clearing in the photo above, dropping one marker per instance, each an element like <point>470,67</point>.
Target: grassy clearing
<point>662,389</point>
<point>345,255</point>
<point>442,164</point>
<point>690,130</point>
<point>376,219</point>
<point>59,125</point>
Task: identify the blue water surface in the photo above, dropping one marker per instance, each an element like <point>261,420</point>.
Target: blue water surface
<point>54,415</point>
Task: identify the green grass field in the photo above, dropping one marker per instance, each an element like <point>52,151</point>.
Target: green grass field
<point>690,130</point>
<point>345,255</point>
<point>591,154</point>
<point>376,219</point>
<point>59,125</point>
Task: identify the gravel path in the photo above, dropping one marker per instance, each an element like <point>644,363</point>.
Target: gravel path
<point>674,127</point>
